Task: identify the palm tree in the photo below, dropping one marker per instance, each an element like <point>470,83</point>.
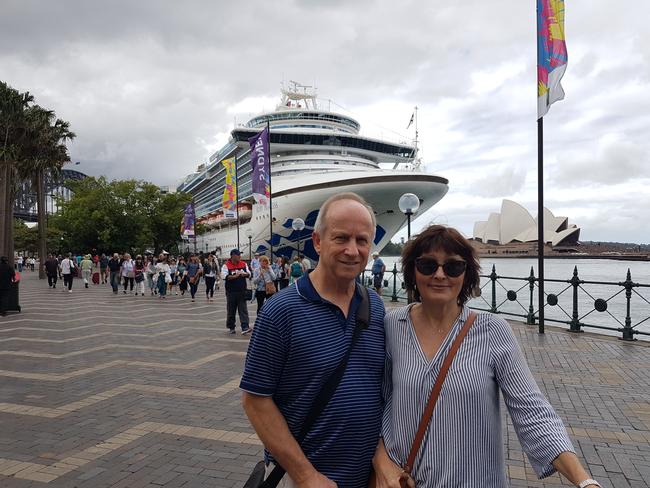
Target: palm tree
<point>44,152</point>
<point>12,133</point>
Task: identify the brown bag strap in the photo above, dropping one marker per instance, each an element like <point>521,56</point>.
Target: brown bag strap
<point>435,393</point>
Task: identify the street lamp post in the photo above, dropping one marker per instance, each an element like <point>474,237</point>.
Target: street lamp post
<point>408,205</point>
<point>298,225</point>
<point>249,234</point>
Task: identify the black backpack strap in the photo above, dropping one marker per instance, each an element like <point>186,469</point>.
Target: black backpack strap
<point>362,321</point>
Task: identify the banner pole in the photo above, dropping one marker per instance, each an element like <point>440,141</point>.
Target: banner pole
<point>237,196</point>
<point>540,220</point>
<point>268,132</point>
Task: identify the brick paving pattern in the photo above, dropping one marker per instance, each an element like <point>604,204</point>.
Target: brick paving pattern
<point>98,390</point>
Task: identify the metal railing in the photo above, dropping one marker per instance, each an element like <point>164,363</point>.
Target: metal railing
<point>572,301</point>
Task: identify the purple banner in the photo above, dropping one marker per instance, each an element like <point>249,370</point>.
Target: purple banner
<point>187,224</point>
<point>261,162</point>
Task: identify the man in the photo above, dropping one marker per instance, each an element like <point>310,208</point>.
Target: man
<point>300,337</point>
<point>234,273</point>
<point>103,266</point>
<point>255,262</point>
<point>378,270</point>
<point>68,270</point>
<point>52,270</point>
<point>114,266</point>
<point>7,275</point>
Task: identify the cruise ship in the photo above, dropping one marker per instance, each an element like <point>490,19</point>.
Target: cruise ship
<point>315,153</point>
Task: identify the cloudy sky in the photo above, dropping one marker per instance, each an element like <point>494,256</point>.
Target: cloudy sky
<point>153,88</point>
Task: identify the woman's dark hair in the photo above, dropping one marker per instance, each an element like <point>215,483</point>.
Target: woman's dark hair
<point>451,241</point>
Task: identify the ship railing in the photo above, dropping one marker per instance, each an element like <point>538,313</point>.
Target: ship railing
<point>619,307</point>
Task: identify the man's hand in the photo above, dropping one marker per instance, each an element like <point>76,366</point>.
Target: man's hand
<point>317,480</point>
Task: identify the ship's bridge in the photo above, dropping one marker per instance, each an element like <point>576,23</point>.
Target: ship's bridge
<point>312,119</point>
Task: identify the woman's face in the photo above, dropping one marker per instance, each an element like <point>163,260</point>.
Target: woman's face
<point>439,287</point>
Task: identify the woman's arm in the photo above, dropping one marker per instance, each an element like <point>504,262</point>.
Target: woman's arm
<point>568,464</point>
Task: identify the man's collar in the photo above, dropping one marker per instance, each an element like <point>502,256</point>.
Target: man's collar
<point>306,290</point>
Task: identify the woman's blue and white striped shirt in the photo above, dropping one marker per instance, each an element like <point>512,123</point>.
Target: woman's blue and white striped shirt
<point>463,445</point>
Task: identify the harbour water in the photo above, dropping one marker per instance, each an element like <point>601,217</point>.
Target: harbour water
<point>601,270</point>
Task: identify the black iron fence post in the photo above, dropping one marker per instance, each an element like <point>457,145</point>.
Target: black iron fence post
<point>574,326</point>
<point>530,318</point>
<point>628,331</point>
<point>394,297</point>
<point>493,277</point>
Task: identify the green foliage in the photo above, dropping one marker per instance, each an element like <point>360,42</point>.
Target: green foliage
<point>392,249</point>
<point>26,238</point>
<point>120,215</point>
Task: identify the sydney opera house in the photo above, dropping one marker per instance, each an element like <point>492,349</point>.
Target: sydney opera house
<point>514,224</point>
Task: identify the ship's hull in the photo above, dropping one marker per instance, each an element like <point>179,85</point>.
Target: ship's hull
<point>293,199</point>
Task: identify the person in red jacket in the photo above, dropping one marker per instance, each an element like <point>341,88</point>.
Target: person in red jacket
<point>234,273</point>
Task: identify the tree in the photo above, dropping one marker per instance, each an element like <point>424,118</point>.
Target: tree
<point>13,136</point>
<point>44,151</point>
<point>120,215</point>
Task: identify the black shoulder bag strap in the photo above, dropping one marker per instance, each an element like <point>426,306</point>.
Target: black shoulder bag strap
<point>328,389</point>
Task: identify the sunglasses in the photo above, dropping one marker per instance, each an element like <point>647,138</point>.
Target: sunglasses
<point>429,266</point>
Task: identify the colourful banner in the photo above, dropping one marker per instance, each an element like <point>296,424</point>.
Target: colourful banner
<point>187,224</point>
<point>261,162</point>
<point>229,201</point>
<point>551,53</point>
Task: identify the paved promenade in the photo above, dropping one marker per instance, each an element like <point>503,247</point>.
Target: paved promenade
<point>98,390</point>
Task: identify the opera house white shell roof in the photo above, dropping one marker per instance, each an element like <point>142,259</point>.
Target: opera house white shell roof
<point>515,224</point>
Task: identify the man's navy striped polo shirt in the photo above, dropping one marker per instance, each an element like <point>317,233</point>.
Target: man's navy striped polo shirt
<point>298,340</point>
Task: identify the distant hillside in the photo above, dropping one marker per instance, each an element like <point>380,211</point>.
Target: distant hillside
<point>601,246</point>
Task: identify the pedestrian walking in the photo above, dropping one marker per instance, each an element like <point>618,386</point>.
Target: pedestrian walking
<point>378,270</point>
<point>7,276</point>
<point>278,270</point>
<point>210,274</point>
<point>114,268</point>
<point>128,272</point>
<point>103,269</point>
<point>263,279</point>
<point>181,269</point>
<point>138,275</point>
<point>52,270</point>
<point>300,336</point>
<point>86,266</point>
<point>162,275</point>
<point>296,270</point>
<point>173,271</point>
<point>32,263</point>
<point>19,263</point>
<point>194,271</point>
<point>68,269</point>
<point>235,274</point>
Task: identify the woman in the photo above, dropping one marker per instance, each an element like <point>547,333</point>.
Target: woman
<point>464,436</point>
<point>194,271</point>
<point>173,271</point>
<point>150,273</point>
<point>181,270</point>
<point>162,275</point>
<point>263,278</point>
<point>128,271</point>
<point>138,275</point>
<point>210,274</point>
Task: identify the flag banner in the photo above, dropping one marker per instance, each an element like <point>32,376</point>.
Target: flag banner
<point>229,201</point>
<point>411,121</point>
<point>187,225</point>
<point>551,54</point>
<point>261,161</point>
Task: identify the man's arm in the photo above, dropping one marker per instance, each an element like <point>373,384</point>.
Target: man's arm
<point>273,431</point>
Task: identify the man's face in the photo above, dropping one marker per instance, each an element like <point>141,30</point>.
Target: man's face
<point>235,258</point>
<point>346,240</point>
